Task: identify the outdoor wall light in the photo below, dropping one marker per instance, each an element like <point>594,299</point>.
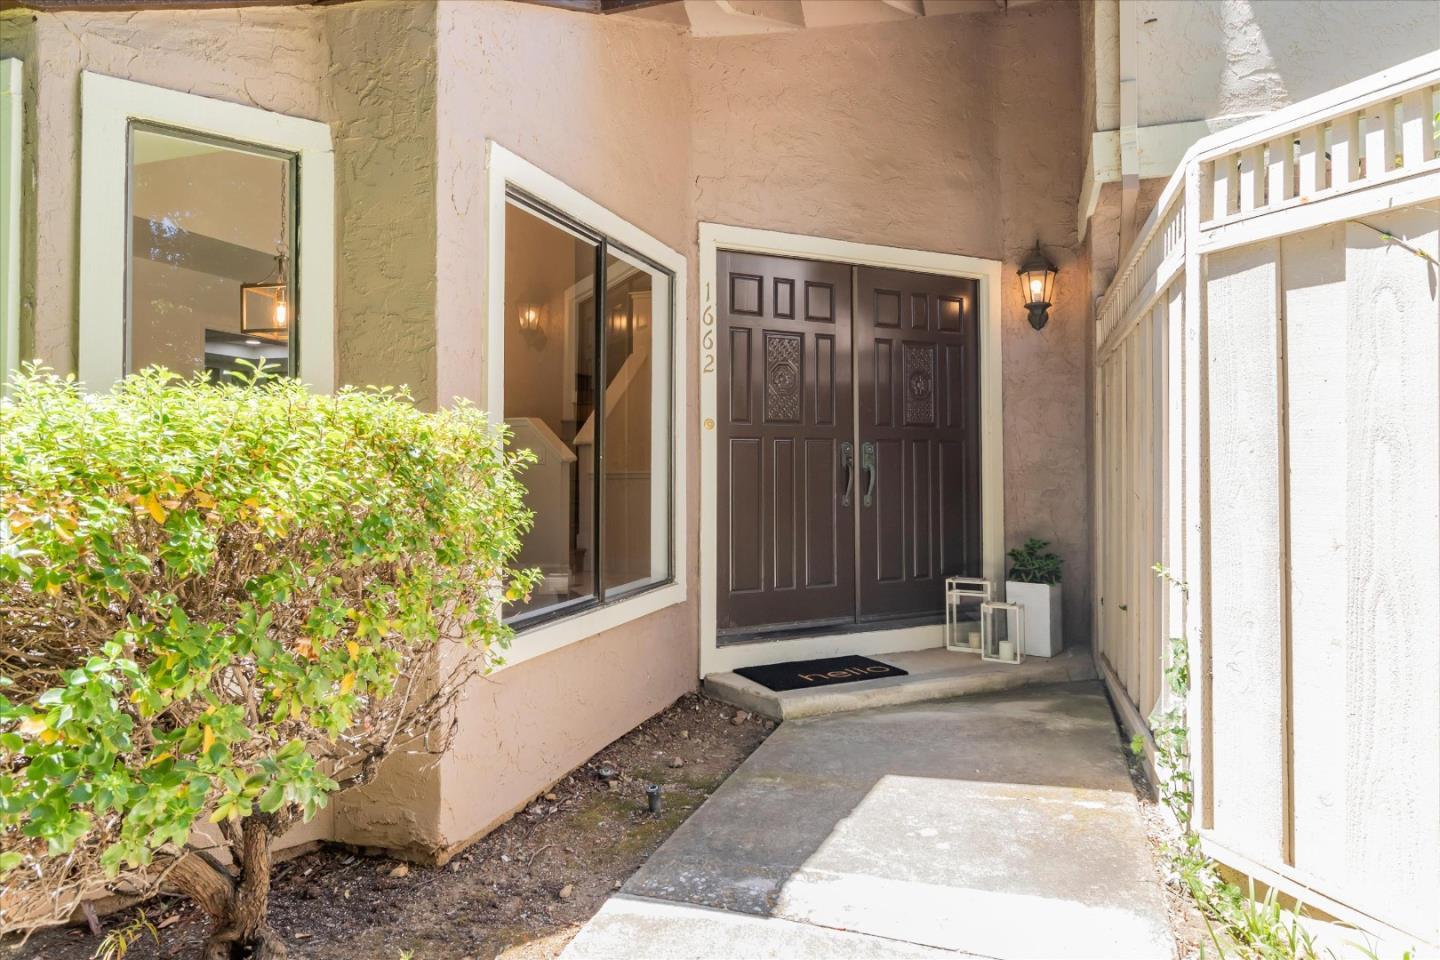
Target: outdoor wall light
<point>529,317</point>
<point>1037,285</point>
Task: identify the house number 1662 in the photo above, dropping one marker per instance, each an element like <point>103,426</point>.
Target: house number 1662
<point>707,337</point>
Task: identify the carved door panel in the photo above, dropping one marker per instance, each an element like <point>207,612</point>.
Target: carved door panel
<point>917,362</point>
<point>785,510</point>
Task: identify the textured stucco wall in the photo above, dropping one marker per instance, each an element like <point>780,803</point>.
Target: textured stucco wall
<point>1215,58</point>
<point>380,87</point>
<point>268,58</point>
<point>602,104</point>
<point>1047,373</point>
<point>1219,59</point>
<point>367,68</point>
<point>905,134</point>
<point>923,135</point>
<point>1208,59</point>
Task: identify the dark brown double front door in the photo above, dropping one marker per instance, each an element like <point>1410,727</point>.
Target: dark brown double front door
<point>849,473</point>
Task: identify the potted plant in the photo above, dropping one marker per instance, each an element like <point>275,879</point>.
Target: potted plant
<point>1034,583</point>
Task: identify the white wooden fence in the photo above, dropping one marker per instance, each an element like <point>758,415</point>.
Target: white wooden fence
<point>1268,428</point>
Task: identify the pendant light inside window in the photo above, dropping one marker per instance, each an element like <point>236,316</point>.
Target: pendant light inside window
<point>265,306</point>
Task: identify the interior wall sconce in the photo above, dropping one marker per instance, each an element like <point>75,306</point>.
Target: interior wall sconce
<point>619,319</point>
<point>1037,285</point>
<point>529,317</point>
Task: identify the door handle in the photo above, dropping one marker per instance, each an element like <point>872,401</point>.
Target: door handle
<point>867,463</point>
<point>847,460</point>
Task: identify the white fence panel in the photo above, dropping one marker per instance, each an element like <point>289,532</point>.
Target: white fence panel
<point>1268,427</point>
<point>1247,629</point>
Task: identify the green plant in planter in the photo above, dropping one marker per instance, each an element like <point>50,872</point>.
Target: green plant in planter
<point>222,604</point>
<point>1032,563</point>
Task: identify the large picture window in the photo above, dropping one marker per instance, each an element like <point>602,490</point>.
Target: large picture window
<point>588,386</point>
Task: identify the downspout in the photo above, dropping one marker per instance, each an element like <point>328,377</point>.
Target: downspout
<point>1129,125</point>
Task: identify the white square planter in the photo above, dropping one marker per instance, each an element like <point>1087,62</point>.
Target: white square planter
<point>1041,602</point>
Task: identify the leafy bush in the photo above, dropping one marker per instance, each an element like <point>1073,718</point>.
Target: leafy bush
<point>1032,563</point>
<point>224,603</point>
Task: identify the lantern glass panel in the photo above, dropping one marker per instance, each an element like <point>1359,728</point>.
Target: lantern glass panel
<point>1001,631</point>
<point>1037,285</point>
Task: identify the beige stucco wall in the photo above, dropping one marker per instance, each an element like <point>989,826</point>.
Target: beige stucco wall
<point>914,134</point>
<point>1216,58</point>
<point>380,89</point>
<point>1225,60</point>
<point>368,69</point>
<point>379,97</point>
<point>1208,59</point>
<point>922,134</point>
<point>602,104</point>
<point>267,58</point>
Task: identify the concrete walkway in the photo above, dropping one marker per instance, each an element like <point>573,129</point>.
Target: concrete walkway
<point>997,826</point>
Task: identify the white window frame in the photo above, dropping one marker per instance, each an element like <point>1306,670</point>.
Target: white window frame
<point>504,170</point>
<point>12,135</point>
<point>108,105</point>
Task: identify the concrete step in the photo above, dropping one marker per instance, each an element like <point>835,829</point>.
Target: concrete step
<point>934,674</point>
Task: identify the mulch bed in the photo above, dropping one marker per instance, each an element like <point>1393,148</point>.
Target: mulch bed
<point>520,893</point>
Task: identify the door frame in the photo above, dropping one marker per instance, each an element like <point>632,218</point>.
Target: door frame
<point>715,237</point>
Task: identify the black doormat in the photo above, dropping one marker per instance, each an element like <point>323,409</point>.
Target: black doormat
<point>802,674</point>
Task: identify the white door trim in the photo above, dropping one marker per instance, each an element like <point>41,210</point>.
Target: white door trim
<point>715,237</point>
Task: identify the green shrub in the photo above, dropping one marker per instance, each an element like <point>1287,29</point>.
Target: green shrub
<point>224,603</point>
<point>1032,563</point>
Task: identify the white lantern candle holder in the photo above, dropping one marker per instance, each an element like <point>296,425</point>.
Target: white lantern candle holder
<point>1002,631</point>
<point>964,595</point>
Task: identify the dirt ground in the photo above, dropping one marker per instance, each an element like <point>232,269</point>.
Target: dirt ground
<point>521,893</point>
<point>1187,926</point>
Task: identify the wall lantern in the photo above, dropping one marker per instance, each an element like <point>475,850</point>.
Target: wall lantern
<point>1037,285</point>
<point>265,306</point>
<point>528,317</point>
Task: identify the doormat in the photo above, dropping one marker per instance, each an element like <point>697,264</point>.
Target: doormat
<point>803,674</point>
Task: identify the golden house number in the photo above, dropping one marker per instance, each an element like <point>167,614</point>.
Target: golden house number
<point>707,336</point>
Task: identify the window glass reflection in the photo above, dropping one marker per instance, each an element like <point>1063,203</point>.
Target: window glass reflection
<point>212,261</point>
<point>550,396</point>
<point>636,437</point>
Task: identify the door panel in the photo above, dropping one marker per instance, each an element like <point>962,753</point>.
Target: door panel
<point>786,541</point>
<point>916,344</point>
